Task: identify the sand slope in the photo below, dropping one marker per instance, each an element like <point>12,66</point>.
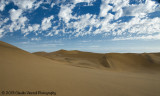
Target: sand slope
<point>23,71</point>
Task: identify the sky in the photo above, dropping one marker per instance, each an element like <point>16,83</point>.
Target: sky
<point>87,25</point>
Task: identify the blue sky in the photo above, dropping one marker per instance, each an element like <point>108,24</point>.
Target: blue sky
<point>87,25</point>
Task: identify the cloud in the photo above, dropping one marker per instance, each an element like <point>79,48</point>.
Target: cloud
<point>45,8</point>
<point>36,5</point>
<point>114,6</point>
<point>81,23</point>
<point>46,23</point>
<point>17,22</point>
<point>15,14</point>
<point>35,39</point>
<point>144,26</point>
<point>52,5</point>
<point>153,37</point>
<point>66,12</point>
<point>22,20</point>
<point>87,1</point>
<point>27,4</point>
<point>1,33</point>
<point>36,27</point>
<point>3,3</point>
<point>140,9</point>
<point>104,8</point>
<point>2,7</point>
<point>52,44</point>
<point>84,41</point>
<point>94,46</point>
<point>24,4</point>
<point>30,28</point>
<point>3,21</point>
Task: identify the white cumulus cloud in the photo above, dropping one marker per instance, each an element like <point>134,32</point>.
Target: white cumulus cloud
<point>36,27</point>
<point>22,20</point>
<point>66,12</point>
<point>15,14</point>
<point>46,23</point>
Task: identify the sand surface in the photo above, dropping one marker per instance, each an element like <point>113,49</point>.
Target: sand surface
<point>92,75</point>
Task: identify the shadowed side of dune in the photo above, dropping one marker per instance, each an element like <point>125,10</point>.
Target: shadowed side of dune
<point>104,61</point>
<point>133,62</point>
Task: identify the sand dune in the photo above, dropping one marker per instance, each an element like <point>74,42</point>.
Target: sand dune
<point>23,71</point>
<point>146,62</point>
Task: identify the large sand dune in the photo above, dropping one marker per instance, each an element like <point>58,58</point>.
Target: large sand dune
<point>23,71</point>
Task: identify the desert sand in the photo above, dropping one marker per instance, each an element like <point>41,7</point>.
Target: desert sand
<point>76,73</point>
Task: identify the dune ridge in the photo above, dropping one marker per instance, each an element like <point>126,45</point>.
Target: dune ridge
<point>23,71</point>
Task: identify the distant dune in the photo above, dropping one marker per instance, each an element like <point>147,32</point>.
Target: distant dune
<point>75,73</point>
<point>146,62</point>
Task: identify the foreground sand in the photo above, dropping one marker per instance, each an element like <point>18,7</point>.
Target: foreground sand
<point>23,71</point>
